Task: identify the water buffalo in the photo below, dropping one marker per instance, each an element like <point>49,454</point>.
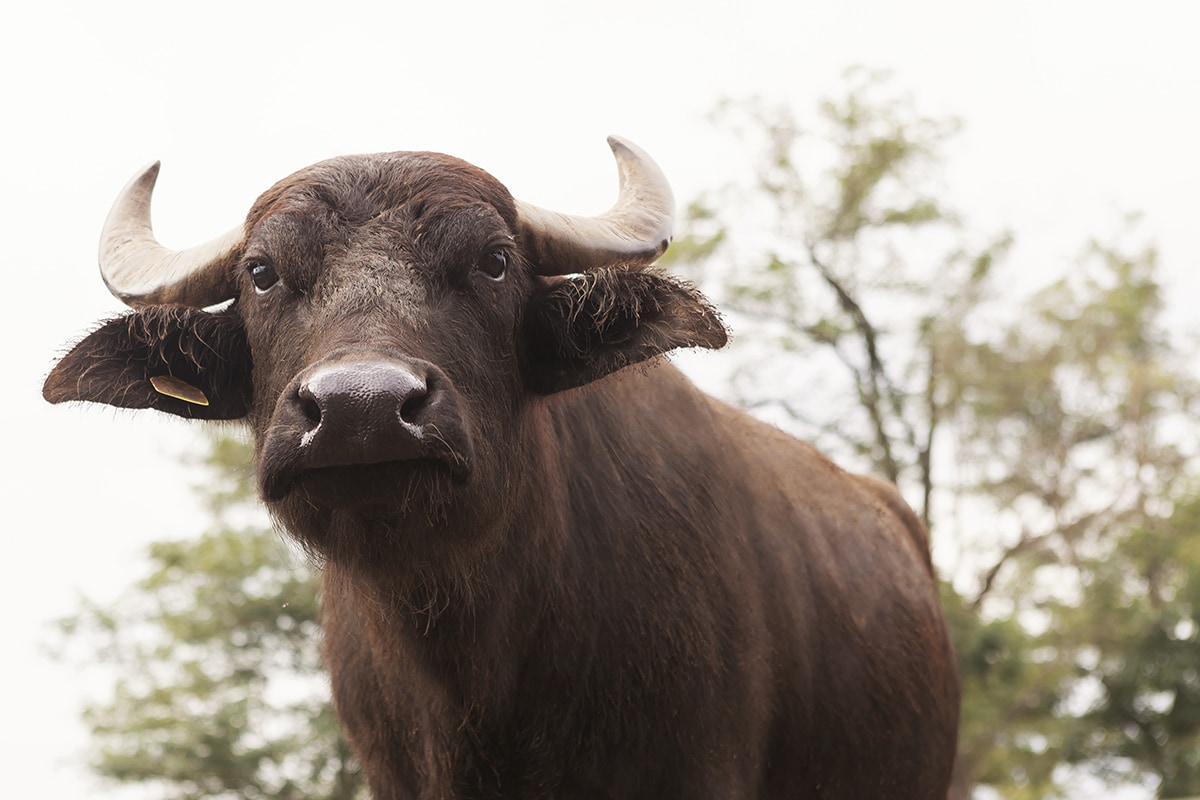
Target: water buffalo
<point>545,573</point>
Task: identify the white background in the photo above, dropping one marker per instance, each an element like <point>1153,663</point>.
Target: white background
<point>1075,113</point>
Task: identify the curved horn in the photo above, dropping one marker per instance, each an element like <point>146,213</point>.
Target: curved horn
<point>141,272</point>
<point>634,232</point>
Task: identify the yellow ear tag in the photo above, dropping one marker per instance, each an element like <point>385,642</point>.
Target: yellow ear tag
<point>173,387</point>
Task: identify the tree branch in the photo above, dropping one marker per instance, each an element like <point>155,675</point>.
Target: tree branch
<point>871,393</point>
<point>1027,541</point>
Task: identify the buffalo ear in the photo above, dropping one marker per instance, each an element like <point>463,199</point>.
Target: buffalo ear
<point>183,361</point>
<point>580,328</point>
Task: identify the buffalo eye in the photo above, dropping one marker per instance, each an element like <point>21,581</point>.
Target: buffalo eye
<point>263,275</point>
<point>494,264</point>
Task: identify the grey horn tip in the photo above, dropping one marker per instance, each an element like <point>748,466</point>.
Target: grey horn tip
<point>622,147</point>
<point>147,174</point>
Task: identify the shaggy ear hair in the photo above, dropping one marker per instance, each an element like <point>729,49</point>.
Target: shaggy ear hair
<point>183,361</point>
<point>580,328</point>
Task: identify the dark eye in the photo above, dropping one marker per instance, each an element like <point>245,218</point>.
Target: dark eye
<point>494,264</point>
<point>263,275</point>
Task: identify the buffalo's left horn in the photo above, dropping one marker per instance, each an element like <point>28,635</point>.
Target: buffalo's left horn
<point>141,272</point>
<point>634,232</point>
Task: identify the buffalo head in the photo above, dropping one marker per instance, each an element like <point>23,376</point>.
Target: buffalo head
<point>395,321</point>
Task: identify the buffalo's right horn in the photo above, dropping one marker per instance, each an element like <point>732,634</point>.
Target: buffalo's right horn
<point>634,232</point>
<point>141,272</point>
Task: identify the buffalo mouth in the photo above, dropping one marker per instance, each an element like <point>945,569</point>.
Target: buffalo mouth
<point>346,471</point>
<point>398,483</point>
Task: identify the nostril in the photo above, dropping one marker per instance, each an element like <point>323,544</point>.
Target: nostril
<point>410,411</point>
<point>310,408</point>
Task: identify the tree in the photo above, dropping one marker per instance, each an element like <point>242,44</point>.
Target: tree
<point>1039,439</point>
<point>1082,435</point>
<point>848,339</point>
<point>218,689</point>
<point>826,288</point>
<point>1076,436</point>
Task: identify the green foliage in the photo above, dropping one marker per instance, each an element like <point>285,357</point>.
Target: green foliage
<point>1009,735</point>
<point>1076,432</point>
<point>881,147</point>
<point>1137,630</point>
<point>218,690</point>
<point>1079,425</point>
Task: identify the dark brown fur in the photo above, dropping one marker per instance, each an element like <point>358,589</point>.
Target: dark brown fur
<point>635,591</point>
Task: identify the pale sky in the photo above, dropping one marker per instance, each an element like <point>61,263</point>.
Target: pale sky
<point>1075,113</point>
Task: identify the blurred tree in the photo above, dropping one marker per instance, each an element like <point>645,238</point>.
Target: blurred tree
<point>1082,437</point>
<point>817,273</point>
<point>1137,632</point>
<point>855,293</point>
<point>218,689</point>
<point>1035,438</point>
<point>1077,412</point>
<point>1076,437</point>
